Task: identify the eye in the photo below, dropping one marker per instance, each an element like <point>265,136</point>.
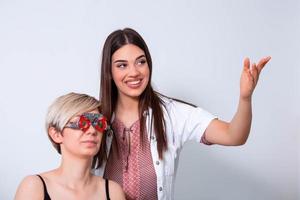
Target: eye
<point>121,65</point>
<point>142,62</point>
<point>84,123</point>
<point>101,125</point>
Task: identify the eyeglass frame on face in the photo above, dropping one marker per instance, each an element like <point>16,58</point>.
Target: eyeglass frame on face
<point>87,119</point>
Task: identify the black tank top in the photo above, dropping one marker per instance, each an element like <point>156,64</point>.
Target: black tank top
<point>47,197</point>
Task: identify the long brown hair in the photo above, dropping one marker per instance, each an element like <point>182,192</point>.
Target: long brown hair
<point>148,99</point>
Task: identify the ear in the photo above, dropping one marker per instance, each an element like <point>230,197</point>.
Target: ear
<point>55,135</point>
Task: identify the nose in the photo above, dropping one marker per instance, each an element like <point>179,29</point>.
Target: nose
<point>133,70</point>
<point>91,130</point>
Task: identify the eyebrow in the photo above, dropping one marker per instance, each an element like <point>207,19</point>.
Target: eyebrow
<point>141,56</point>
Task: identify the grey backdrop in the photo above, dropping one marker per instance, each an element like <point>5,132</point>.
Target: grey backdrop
<point>51,47</point>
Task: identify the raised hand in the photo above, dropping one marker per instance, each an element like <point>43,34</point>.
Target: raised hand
<point>249,77</point>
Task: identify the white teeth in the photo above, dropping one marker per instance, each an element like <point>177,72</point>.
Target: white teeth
<point>134,82</point>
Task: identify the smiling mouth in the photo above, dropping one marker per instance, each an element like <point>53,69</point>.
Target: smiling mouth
<point>134,82</point>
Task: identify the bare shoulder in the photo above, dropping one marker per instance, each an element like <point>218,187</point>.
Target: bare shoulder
<point>115,191</point>
<point>31,187</point>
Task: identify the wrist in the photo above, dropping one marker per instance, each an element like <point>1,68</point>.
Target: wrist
<point>246,99</point>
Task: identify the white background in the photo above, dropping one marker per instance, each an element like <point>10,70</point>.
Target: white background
<point>51,47</point>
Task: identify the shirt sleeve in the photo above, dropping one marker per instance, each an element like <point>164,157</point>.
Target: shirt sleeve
<point>190,122</point>
<point>204,141</point>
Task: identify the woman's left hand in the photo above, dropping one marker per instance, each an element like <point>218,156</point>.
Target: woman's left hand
<point>249,77</point>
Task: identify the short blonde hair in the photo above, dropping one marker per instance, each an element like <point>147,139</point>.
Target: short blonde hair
<point>64,108</point>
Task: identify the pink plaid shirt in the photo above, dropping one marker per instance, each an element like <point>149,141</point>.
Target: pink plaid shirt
<point>130,162</point>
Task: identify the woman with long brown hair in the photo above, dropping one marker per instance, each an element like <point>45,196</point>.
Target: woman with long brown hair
<point>150,128</point>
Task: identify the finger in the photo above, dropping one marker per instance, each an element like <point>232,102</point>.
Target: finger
<point>246,64</point>
<point>250,77</point>
<point>262,63</point>
<point>254,72</point>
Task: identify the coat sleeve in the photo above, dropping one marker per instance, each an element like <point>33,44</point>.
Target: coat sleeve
<point>189,122</point>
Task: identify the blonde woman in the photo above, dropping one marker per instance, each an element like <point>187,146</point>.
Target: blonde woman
<point>76,129</point>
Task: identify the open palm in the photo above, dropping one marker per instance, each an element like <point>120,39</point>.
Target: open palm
<point>250,75</point>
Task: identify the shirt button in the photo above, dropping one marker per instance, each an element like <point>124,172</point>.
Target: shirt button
<point>157,162</point>
<point>152,137</point>
<point>109,133</point>
<point>160,188</point>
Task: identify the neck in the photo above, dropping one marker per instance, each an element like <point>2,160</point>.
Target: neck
<point>76,172</point>
<point>128,104</point>
<point>127,109</point>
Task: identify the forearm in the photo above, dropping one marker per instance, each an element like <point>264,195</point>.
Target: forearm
<point>237,130</point>
<point>239,127</point>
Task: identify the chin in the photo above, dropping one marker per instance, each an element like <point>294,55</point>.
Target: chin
<point>133,93</point>
<point>90,153</point>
